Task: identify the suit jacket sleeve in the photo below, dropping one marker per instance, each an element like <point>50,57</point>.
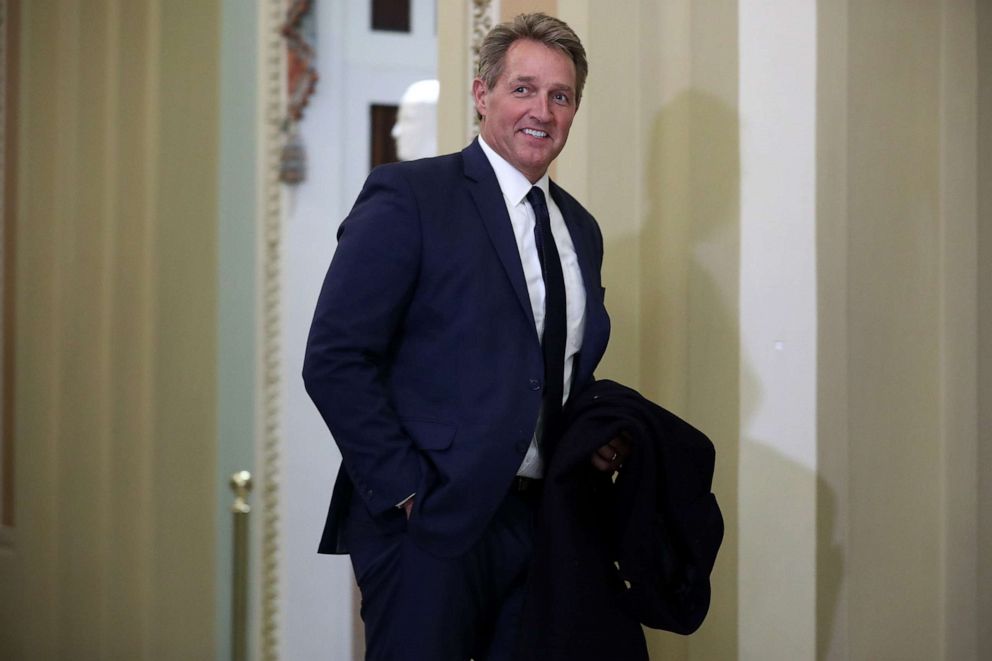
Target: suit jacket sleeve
<point>360,309</point>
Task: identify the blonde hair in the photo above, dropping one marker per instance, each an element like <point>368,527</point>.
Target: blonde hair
<point>552,32</point>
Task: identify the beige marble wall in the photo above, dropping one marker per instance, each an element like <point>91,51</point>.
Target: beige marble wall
<point>898,136</point>
<point>112,556</point>
<point>874,545</point>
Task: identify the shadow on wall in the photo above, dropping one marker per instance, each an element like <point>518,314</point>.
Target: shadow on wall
<point>690,362</point>
<point>689,246</point>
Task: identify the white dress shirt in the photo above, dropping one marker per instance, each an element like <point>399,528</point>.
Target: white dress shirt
<point>515,187</point>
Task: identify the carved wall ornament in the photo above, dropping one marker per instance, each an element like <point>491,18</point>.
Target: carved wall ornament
<point>300,32</point>
<point>483,16</point>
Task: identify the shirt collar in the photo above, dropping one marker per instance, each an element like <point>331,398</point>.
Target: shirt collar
<point>512,182</point>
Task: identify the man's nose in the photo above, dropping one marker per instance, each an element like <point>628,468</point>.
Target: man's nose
<point>541,110</point>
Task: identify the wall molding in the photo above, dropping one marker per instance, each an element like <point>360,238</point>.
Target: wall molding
<point>272,111</point>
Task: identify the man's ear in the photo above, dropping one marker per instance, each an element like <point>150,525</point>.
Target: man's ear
<point>479,95</point>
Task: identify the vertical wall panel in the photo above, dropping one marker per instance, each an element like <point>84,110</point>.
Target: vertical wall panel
<point>958,293</point>
<point>37,630</point>
<point>184,319</point>
<point>984,460</point>
<point>82,232</point>
<point>778,468</point>
<point>75,464</point>
<point>713,376</point>
<point>892,250</point>
<point>238,199</point>
<point>832,643</point>
<point>127,55</point>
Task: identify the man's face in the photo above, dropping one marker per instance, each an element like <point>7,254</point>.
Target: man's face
<point>528,112</point>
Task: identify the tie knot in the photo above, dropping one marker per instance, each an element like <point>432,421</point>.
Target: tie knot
<point>536,197</point>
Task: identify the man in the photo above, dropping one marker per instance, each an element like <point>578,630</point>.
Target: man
<point>462,306</point>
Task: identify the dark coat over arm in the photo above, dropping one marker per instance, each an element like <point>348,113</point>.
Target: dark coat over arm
<point>611,556</point>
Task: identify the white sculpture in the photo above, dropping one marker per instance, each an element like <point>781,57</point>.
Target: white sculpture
<point>415,131</point>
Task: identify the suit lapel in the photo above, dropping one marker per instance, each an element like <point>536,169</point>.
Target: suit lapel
<point>492,209</point>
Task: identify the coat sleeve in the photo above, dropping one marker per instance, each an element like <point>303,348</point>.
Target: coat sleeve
<point>361,306</point>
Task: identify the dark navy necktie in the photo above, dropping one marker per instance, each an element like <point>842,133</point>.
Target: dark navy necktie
<point>553,339</point>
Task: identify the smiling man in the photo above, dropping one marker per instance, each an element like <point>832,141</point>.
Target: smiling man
<point>462,306</point>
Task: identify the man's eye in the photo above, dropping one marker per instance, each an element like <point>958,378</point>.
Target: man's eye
<point>520,90</point>
<point>561,98</point>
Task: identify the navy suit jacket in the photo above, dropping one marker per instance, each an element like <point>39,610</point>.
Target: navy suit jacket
<point>423,357</point>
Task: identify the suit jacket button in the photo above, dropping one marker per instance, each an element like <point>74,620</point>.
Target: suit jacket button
<point>535,384</point>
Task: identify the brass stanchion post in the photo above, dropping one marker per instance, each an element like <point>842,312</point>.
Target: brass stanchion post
<point>241,485</point>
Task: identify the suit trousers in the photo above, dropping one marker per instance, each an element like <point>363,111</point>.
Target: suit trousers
<point>418,606</point>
